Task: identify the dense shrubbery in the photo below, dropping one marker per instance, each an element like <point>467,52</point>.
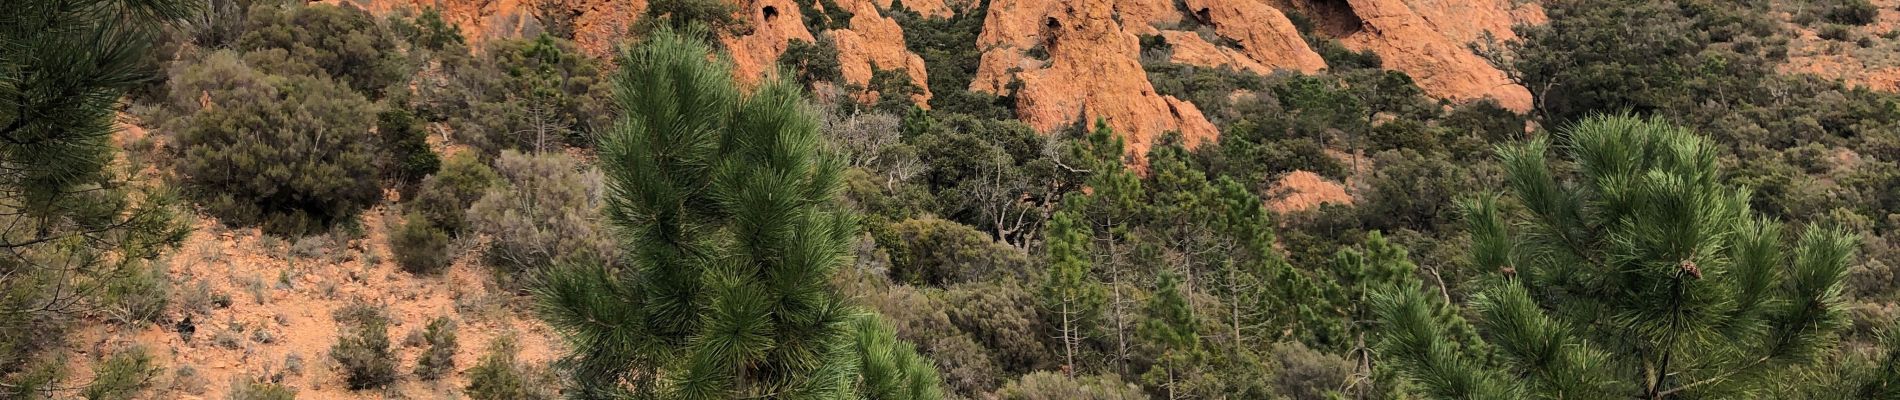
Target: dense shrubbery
<point>531,94</point>
<point>122,376</point>
<point>932,251</point>
<point>342,42</point>
<point>234,148</point>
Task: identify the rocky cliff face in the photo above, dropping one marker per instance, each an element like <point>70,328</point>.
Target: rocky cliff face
<point>876,42</point>
<point>1072,61</point>
<point>1428,39</point>
<point>1068,61</point>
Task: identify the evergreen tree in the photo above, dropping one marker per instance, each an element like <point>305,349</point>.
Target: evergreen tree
<point>1069,290</point>
<point>891,369</point>
<point>1111,207</point>
<point>728,202</point>
<point>73,224</point>
<point>1632,272</point>
<point>1171,330</point>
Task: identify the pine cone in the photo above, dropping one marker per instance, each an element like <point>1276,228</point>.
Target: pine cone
<point>1689,267</point>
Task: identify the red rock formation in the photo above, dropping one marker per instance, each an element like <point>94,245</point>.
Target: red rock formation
<point>874,40</point>
<point>598,24</point>
<point>1092,71</point>
<point>773,24</point>
<point>1427,40</point>
<point>1140,17</point>
<point>934,8</point>
<point>1263,33</point>
<point>1303,190</point>
<point>1188,48</point>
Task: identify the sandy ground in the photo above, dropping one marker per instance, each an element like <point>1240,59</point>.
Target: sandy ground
<point>280,314</point>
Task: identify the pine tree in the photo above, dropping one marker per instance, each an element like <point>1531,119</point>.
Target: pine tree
<point>1628,269</point>
<point>1070,292</point>
<point>729,206</point>
<point>1171,330</point>
<point>73,224</point>
<point>1110,208</point>
<point>891,369</point>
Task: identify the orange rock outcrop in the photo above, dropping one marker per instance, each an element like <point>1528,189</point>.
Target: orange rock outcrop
<point>1189,48</point>
<point>1303,190</point>
<point>1092,71</point>
<point>1262,32</point>
<point>1428,40</point>
<point>875,41</point>
<point>771,27</point>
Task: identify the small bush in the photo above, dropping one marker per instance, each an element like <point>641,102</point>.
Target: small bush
<point>1850,12</point>
<point>498,376</point>
<point>408,157</point>
<point>122,376</point>
<point>546,212</point>
<point>521,94</point>
<point>251,388</point>
<point>138,295</point>
<point>1835,32</point>
<point>420,247</point>
<point>364,351</point>
<point>1043,385</point>
<point>1304,373</point>
<point>444,198</point>
<point>440,356</point>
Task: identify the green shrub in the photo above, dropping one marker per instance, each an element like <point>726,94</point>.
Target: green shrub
<point>1836,32</point>
<point>1850,12</point>
<point>343,42</point>
<point>546,211</point>
<point>364,350</point>
<point>1043,385</point>
<point>521,94</point>
<point>419,246</point>
<point>812,62</point>
<point>933,251</point>
<point>439,358</point>
<point>122,376</point>
<point>235,153</point>
<point>139,294</point>
<point>498,376</point>
<point>444,197</point>
<point>408,157</point>
<point>251,388</point>
<point>1304,373</point>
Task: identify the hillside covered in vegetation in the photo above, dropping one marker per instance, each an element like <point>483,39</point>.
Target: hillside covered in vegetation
<point>944,199</point>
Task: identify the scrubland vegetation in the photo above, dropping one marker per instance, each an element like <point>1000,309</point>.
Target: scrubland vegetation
<point>1674,219</point>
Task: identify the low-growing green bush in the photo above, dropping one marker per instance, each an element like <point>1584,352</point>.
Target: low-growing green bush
<point>122,376</point>
<point>342,42</point>
<point>419,246</point>
<point>251,388</point>
<point>439,358</point>
<point>443,198</point>
<point>499,376</point>
<point>363,349</point>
